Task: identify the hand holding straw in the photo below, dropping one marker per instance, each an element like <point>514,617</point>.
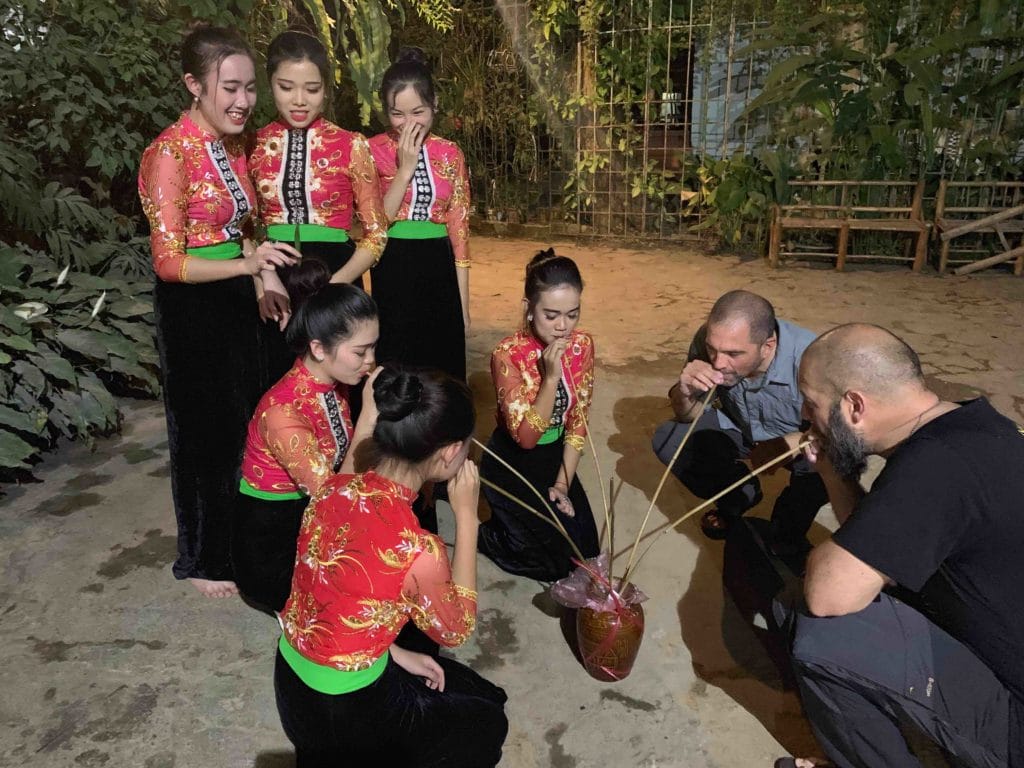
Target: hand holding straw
<point>661,484</point>
<point>546,518</point>
<point>552,518</point>
<point>704,505</point>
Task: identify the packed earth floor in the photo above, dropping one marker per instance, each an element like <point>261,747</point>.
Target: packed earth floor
<point>108,661</point>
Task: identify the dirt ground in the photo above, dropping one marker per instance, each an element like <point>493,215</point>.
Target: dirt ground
<point>110,662</point>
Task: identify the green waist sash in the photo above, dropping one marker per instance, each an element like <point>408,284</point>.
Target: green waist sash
<point>551,434</point>
<point>256,493</point>
<point>219,252</point>
<point>417,230</point>
<point>308,233</point>
<point>329,680</point>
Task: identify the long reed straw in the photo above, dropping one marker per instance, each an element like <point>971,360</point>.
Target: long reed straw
<point>597,466</point>
<point>661,484</point>
<point>665,528</point>
<point>528,484</point>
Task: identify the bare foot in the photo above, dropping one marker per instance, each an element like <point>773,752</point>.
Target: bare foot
<point>210,588</point>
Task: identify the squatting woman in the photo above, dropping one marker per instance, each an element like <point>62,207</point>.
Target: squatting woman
<point>345,690</point>
<point>195,190</point>
<point>543,379</point>
<point>302,432</point>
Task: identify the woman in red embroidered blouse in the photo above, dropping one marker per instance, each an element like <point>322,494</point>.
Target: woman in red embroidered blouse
<point>195,190</point>
<point>364,568</point>
<point>302,431</point>
<point>544,380</point>
<point>422,281</point>
<point>311,176</point>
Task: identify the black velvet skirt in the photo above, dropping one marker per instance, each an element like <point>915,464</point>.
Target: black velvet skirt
<point>277,357</point>
<point>394,721</point>
<point>208,338</point>
<point>417,296</point>
<point>264,536</point>
<point>516,540</point>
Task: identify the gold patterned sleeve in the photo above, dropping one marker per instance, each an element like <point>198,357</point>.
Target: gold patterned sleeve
<point>163,190</point>
<point>291,441</point>
<point>516,390</point>
<point>576,421</point>
<point>442,609</point>
<point>368,201</point>
<point>457,221</point>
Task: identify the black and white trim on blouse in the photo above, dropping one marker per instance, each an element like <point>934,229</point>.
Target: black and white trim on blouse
<point>219,156</point>
<point>329,401</point>
<point>423,189</point>
<point>561,405</point>
<point>293,176</point>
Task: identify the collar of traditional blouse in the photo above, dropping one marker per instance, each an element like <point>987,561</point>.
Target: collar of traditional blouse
<point>306,375</point>
<point>194,130</point>
<point>405,493</point>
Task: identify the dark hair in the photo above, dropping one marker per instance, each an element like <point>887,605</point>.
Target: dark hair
<point>206,47</point>
<point>410,68</point>
<point>419,412</point>
<point>756,310</point>
<point>295,45</point>
<point>321,309</point>
<point>546,270</point>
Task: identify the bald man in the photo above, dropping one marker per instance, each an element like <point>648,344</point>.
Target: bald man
<point>914,628</point>
<point>750,358</point>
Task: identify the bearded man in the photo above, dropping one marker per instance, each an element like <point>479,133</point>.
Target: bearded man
<point>912,641</point>
<point>751,359</point>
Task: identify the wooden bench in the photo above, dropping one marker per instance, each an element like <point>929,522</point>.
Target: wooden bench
<point>853,206</point>
<point>980,209</point>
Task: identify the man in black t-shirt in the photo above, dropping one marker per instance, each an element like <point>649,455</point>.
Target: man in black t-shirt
<point>938,656</point>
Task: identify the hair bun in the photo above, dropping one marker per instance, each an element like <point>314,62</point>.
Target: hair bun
<point>305,279</point>
<point>412,55</point>
<point>541,257</point>
<point>396,393</point>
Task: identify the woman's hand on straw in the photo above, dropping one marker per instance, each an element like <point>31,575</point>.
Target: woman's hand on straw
<point>559,494</point>
<point>420,665</point>
<point>551,360</point>
<point>464,493</point>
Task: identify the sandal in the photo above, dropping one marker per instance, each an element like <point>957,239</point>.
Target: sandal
<point>715,525</point>
<point>790,762</point>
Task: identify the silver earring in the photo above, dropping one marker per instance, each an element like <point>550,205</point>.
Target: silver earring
<point>195,101</point>
<point>530,318</point>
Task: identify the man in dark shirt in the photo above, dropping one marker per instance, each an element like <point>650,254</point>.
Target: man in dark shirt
<point>914,633</point>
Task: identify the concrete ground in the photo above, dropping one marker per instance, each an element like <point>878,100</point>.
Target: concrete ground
<point>110,662</point>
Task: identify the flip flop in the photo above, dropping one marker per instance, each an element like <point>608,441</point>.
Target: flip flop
<point>790,762</point>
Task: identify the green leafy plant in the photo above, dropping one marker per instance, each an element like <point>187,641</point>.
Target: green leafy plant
<point>69,341</point>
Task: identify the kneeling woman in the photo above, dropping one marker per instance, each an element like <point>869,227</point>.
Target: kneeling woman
<point>302,431</point>
<point>345,692</point>
<point>543,379</point>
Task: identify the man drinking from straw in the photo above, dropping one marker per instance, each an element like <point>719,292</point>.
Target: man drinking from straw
<point>913,632</point>
<point>751,359</point>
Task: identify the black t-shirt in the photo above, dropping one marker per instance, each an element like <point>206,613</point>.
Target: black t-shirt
<point>945,519</point>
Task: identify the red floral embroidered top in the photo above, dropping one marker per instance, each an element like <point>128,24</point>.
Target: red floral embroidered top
<point>516,375</point>
<point>316,175</point>
<point>195,190</point>
<point>299,434</point>
<point>364,567</point>
<point>439,191</point>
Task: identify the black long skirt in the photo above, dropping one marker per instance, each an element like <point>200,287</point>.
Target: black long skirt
<point>208,338</point>
<point>277,357</point>
<point>394,721</point>
<point>514,539</point>
<point>417,296</point>
<point>264,537</point>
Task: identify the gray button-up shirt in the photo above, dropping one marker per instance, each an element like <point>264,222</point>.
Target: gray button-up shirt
<point>765,406</point>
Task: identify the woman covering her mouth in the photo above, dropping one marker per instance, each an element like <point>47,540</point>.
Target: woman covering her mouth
<point>310,175</point>
<point>195,189</point>
<point>302,433</point>
<point>543,379</point>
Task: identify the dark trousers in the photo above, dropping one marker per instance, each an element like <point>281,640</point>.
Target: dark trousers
<point>712,461</point>
<point>887,687</point>
<point>394,721</point>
